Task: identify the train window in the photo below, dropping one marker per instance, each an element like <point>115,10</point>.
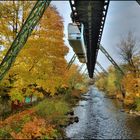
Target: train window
<point>78,37</point>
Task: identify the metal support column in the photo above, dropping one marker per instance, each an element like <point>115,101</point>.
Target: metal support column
<point>101,67</point>
<point>138,1</point>
<point>84,71</point>
<point>71,61</point>
<point>26,30</point>
<point>81,67</point>
<point>110,59</point>
<point>97,71</point>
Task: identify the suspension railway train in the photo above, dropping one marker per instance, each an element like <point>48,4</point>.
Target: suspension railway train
<point>76,41</point>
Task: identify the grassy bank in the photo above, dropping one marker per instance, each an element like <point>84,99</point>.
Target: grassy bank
<point>44,121</point>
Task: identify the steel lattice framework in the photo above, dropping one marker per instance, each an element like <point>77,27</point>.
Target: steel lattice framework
<point>101,68</point>
<point>26,30</point>
<point>97,70</point>
<point>71,61</point>
<point>111,59</point>
<point>138,1</point>
<point>81,67</point>
<point>91,13</point>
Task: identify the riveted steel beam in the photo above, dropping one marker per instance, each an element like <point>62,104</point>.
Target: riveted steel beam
<point>84,71</point>
<point>110,59</point>
<point>71,61</point>
<point>26,30</point>
<point>81,67</point>
<point>138,1</point>
<point>92,14</point>
<point>97,70</point>
<point>101,68</point>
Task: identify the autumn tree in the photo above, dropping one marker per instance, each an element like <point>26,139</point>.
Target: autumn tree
<point>130,54</point>
<point>101,81</point>
<point>41,63</point>
<point>73,76</point>
<point>128,50</point>
<point>12,16</point>
<point>131,83</point>
<point>110,83</point>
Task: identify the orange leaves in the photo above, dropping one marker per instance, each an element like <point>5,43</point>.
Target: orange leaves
<point>26,125</point>
<point>33,129</point>
<point>37,128</point>
<point>16,117</point>
<point>51,18</point>
<point>41,61</point>
<point>131,85</point>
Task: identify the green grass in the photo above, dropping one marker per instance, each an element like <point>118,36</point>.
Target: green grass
<point>137,103</point>
<point>54,110</point>
<point>4,132</point>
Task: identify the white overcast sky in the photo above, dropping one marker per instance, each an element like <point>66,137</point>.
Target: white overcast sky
<point>122,17</point>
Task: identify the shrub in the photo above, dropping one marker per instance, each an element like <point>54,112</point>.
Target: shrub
<point>5,132</point>
<point>53,110</point>
<point>14,123</point>
<point>137,103</point>
<point>36,128</point>
<point>64,89</point>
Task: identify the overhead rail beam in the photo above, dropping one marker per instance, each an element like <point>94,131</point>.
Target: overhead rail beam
<point>26,30</point>
<point>104,14</point>
<point>110,59</point>
<point>102,25</point>
<point>138,1</point>
<point>93,15</point>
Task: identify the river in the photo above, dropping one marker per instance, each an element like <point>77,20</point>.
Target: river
<point>102,118</point>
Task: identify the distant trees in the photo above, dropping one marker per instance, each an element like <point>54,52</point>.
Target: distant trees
<point>128,50</point>
<point>101,81</point>
<point>115,83</point>
<point>108,82</point>
<point>131,55</point>
<point>12,17</point>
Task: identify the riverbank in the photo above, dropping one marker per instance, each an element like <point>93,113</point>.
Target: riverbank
<point>102,118</point>
<point>128,108</point>
<point>47,119</point>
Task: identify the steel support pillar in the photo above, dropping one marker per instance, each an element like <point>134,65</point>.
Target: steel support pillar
<point>138,1</point>
<point>84,71</point>
<point>81,67</point>
<point>71,61</point>
<point>110,59</point>
<point>101,67</point>
<point>26,30</point>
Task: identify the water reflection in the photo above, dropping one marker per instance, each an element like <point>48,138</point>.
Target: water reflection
<point>101,118</point>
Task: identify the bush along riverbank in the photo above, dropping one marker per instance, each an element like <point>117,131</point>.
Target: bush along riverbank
<point>125,88</point>
<point>122,80</point>
<point>45,120</point>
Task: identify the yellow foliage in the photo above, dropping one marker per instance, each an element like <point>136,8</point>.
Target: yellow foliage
<point>41,61</point>
<point>101,82</point>
<point>131,85</point>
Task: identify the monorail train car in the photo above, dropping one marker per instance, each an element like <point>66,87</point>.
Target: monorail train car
<point>76,40</point>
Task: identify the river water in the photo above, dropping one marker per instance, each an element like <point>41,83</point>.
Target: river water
<point>102,118</point>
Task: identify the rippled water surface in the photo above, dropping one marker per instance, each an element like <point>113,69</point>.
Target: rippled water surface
<point>101,118</point>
